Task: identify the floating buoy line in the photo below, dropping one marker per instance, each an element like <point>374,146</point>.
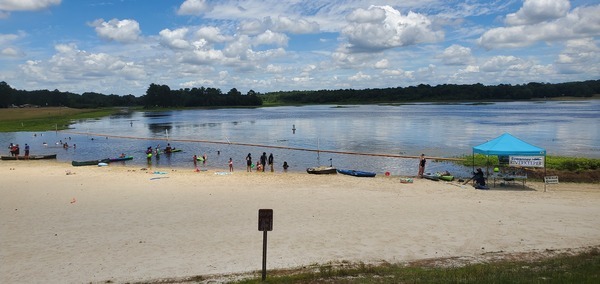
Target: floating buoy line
<point>263,146</point>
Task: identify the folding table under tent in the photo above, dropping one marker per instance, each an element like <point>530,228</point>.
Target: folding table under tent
<point>519,151</point>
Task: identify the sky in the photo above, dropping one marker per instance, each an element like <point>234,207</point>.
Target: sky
<point>122,46</point>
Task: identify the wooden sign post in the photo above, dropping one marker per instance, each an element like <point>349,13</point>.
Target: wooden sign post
<point>265,223</point>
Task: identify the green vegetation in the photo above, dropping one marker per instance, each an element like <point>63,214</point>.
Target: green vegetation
<point>44,119</point>
<point>161,96</point>
<point>572,164</point>
<point>439,93</point>
<point>579,268</point>
<point>552,162</point>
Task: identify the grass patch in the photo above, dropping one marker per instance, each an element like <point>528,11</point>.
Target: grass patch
<point>552,162</point>
<point>44,119</point>
<point>583,267</point>
<point>568,169</point>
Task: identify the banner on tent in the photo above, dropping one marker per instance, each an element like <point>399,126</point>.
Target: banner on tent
<point>526,161</point>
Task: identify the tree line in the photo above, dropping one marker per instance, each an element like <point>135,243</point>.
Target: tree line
<point>162,95</point>
<point>446,92</point>
<point>156,96</point>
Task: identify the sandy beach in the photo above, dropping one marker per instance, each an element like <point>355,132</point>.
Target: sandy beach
<point>64,224</point>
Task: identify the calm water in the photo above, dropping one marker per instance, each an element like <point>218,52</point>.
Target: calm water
<point>439,130</point>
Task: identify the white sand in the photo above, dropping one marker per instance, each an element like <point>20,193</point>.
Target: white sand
<point>119,224</point>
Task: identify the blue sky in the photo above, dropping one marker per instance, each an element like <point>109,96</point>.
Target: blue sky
<point>122,46</point>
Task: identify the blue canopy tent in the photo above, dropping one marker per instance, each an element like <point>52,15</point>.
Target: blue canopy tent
<point>508,145</point>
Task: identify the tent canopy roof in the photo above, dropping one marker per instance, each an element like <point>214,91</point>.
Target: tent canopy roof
<point>506,144</point>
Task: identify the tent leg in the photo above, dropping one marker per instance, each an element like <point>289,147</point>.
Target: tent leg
<point>544,173</point>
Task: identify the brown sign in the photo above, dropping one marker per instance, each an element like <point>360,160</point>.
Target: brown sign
<point>265,219</point>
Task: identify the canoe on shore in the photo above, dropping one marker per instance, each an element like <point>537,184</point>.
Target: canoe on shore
<point>31,157</point>
<point>356,173</point>
<point>321,170</point>
<point>430,176</point>
<point>446,178</point>
<point>119,159</point>
<point>438,176</point>
<point>89,163</point>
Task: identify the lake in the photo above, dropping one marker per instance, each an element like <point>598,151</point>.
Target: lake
<point>565,128</point>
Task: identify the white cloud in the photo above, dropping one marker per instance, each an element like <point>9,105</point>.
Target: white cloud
<point>70,64</point>
<point>11,52</point>
<point>470,69</point>
<point>26,5</point>
<point>252,27</point>
<point>239,47</point>
<point>580,56</point>
<point>193,7</point>
<point>580,23</point>
<point>203,57</point>
<point>7,45</point>
<point>360,76</point>
<point>294,25</point>
<point>174,38</point>
<point>269,37</point>
<point>278,24</point>
<point>537,11</point>
<point>196,83</point>
<point>383,27</point>
<point>6,39</point>
<point>271,68</point>
<point>382,64</point>
<point>125,31</point>
<point>500,63</point>
<point>212,34</point>
<point>399,73</point>
<point>457,55</point>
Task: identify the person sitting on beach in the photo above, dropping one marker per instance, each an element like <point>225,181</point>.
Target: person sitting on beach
<point>479,178</point>
<point>259,167</point>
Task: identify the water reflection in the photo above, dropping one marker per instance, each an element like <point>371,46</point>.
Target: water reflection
<point>436,130</point>
<point>160,128</point>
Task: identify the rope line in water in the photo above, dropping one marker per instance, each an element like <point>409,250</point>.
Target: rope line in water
<point>265,146</point>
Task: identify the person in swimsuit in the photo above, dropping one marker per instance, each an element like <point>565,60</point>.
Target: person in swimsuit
<point>422,162</point>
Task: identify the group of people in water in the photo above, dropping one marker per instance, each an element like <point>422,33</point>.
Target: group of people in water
<point>262,163</point>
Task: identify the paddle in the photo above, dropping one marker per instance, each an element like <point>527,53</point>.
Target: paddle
<point>468,180</point>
